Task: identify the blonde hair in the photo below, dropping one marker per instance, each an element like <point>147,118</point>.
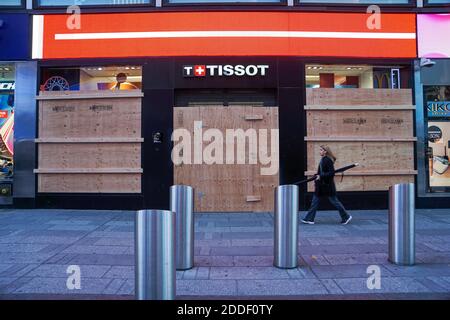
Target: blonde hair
<point>329,152</point>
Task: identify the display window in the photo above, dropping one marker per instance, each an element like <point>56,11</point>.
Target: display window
<point>7,88</point>
<point>357,76</point>
<point>437,103</point>
<point>55,3</point>
<point>95,78</point>
<point>364,113</point>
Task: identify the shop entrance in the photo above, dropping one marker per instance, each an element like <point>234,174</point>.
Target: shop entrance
<point>229,154</point>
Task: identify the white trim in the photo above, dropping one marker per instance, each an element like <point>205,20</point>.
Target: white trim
<point>38,37</point>
<point>235,34</point>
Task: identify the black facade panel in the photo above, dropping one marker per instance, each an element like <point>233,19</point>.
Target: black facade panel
<point>292,128</point>
<point>158,74</point>
<point>89,201</point>
<point>375,200</point>
<point>157,117</point>
<point>290,72</point>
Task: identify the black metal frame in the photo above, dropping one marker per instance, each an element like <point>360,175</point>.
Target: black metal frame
<point>427,4</point>
<point>346,6</point>
<point>152,3</point>
<point>194,4</point>
<point>224,6</point>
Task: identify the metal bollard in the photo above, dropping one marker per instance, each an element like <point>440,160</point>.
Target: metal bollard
<point>155,255</point>
<point>182,203</point>
<point>286,227</point>
<point>401,224</point>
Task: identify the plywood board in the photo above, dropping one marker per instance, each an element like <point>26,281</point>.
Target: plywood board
<point>90,155</point>
<point>227,187</point>
<point>350,96</point>
<point>89,143</point>
<point>89,183</point>
<point>370,155</point>
<point>90,118</point>
<point>360,123</point>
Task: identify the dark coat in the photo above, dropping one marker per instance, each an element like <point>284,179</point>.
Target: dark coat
<point>325,186</point>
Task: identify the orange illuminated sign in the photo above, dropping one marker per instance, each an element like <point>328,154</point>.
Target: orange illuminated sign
<point>224,34</point>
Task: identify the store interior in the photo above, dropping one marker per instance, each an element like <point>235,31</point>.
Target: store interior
<point>437,101</point>
<point>356,76</point>
<point>91,78</point>
<point>7,87</point>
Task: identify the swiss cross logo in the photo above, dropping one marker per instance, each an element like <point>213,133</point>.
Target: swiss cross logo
<point>200,70</point>
<point>3,114</point>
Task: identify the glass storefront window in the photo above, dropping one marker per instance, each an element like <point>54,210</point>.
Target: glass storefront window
<point>357,76</point>
<point>223,1</point>
<point>10,3</point>
<point>437,102</point>
<point>357,1</point>
<point>55,3</point>
<point>91,78</point>
<point>438,1</point>
<point>7,88</point>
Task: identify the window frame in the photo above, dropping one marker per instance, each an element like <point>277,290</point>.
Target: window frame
<point>193,3</point>
<point>38,6</point>
<point>427,4</point>
<point>347,6</point>
<point>22,5</point>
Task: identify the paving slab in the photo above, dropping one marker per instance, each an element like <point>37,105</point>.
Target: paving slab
<point>281,287</point>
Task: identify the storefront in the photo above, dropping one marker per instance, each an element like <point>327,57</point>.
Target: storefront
<point>433,110</point>
<point>15,47</point>
<point>112,116</point>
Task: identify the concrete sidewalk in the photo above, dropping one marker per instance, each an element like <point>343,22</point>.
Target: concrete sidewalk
<point>234,257</point>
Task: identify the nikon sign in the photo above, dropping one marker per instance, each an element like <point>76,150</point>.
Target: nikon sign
<point>7,86</point>
<point>228,70</point>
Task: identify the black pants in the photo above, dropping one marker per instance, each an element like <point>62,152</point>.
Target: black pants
<point>333,200</point>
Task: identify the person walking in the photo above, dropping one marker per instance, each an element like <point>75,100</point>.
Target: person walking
<point>324,187</point>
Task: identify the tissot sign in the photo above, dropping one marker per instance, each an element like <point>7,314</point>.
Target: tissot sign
<point>228,70</point>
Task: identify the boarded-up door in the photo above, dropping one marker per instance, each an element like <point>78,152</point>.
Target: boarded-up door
<point>230,187</point>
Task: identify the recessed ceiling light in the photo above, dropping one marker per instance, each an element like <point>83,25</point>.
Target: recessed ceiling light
<point>127,68</point>
<point>100,69</point>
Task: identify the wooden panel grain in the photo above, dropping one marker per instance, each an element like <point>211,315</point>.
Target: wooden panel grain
<point>370,155</point>
<point>89,143</point>
<point>358,96</point>
<point>89,183</point>
<point>361,123</point>
<point>367,183</point>
<point>266,176</point>
<point>118,117</point>
<point>222,187</point>
<point>90,155</point>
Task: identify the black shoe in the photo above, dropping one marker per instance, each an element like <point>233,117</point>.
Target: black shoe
<point>306,221</point>
<point>346,221</point>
